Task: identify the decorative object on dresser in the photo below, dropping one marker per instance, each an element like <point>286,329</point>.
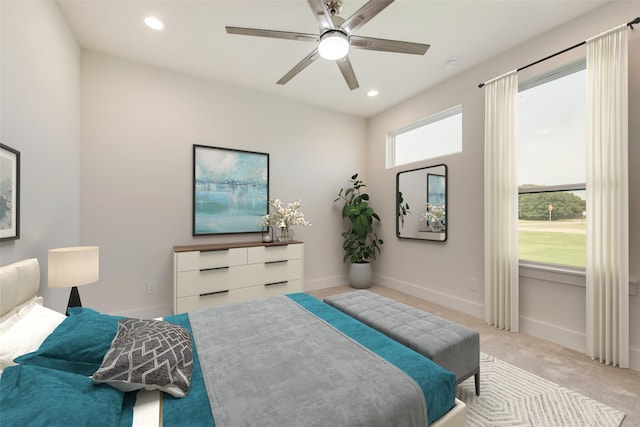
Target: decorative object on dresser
<point>284,218</point>
<point>72,267</point>
<point>426,189</point>
<point>230,190</point>
<point>209,275</point>
<point>9,193</point>
<point>267,234</point>
<point>360,241</point>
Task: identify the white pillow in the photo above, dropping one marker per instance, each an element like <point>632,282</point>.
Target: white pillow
<point>25,331</point>
<point>15,310</point>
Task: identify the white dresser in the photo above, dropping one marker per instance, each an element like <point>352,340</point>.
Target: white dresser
<point>208,275</point>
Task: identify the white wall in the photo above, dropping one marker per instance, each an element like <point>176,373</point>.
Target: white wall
<point>442,272</point>
<point>40,117</point>
<point>139,124</point>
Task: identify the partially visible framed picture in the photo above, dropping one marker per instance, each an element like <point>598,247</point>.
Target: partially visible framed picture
<point>230,190</point>
<point>436,188</point>
<point>9,193</point>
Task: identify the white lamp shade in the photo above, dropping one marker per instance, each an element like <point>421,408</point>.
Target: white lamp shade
<point>333,45</point>
<point>74,266</point>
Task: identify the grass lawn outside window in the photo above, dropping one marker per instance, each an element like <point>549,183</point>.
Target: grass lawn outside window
<point>560,242</point>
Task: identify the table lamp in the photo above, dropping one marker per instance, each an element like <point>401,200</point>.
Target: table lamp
<point>72,267</point>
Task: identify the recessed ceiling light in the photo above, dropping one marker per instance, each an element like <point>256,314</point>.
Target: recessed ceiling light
<point>372,93</point>
<point>451,62</point>
<point>153,22</point>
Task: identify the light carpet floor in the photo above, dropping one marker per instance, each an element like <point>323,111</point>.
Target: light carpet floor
<point>510,396</point>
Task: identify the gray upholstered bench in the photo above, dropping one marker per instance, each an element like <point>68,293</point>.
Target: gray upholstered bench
<point>452,346</point>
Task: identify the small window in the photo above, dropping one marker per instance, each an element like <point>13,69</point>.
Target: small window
<point>435,136</point>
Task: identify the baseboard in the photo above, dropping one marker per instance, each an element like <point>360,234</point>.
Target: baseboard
<point>323,283</point>
<point>564,337</point>
<point>147,312</point>
<point>469,307</point>
<point>634,359</point>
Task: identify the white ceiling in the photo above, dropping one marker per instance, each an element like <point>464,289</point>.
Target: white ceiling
<point>195,41</point>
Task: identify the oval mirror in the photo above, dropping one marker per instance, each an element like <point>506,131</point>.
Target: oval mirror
<point>421,200</point>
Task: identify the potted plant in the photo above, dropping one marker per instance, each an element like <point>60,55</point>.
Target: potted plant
<point>360,241</point>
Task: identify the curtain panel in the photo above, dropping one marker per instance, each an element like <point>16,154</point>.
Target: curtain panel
<point>607,272</point>
<point>501,299</point>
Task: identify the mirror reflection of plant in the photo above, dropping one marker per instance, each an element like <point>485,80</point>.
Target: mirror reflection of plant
<point>360,241</point>
<point>403,208</point>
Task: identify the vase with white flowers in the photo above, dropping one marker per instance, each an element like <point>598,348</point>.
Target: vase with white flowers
<point>282,218</point>
<point>434,217</point>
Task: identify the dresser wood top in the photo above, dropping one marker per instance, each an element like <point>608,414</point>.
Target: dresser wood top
<point>223,246</point>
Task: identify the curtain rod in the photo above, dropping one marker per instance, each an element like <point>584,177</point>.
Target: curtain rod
<point>629,24</point>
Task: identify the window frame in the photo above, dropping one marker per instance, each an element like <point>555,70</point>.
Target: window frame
<point>541,79</point>
<point>391,142</point>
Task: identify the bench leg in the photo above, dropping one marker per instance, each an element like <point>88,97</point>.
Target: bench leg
<point>476,378</point>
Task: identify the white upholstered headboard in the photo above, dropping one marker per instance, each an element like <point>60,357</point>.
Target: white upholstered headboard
<point>19,282</point>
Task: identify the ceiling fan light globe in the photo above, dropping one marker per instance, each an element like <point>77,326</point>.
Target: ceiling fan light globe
<point>333,45</point>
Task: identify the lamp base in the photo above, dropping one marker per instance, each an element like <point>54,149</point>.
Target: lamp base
<point>74,299</point>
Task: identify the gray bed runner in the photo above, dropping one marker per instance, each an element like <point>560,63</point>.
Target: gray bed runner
<point>272,363</point>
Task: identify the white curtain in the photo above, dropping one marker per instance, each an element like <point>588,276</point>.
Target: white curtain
<point>501,203</point>
<point>608,199</point>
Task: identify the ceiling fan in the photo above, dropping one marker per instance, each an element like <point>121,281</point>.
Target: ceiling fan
<point>336,36</point>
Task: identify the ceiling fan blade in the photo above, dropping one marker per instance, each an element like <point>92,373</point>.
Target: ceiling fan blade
<point>322,14</point>
<point>364,14</point>
<point>299,67</point>
<point>347,72</point>
<point>272,33</point>
<point>383,45</point>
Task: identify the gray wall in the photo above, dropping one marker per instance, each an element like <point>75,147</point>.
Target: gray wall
<point>139,124</point>
<point>40,117</point>
<point>552,306</point>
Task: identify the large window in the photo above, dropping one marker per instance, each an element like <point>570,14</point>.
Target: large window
<point>552,163</point>
<point>435,136</point>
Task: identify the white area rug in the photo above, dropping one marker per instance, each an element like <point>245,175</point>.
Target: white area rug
<point>510,396</point>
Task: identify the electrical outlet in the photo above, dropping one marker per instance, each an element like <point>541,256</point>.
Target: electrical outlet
<point>473,284</point>
<point>152,287</point>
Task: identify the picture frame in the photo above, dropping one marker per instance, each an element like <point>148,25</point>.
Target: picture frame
<point>230,190</point>
<point>436,189</point>
<point>9,193</point>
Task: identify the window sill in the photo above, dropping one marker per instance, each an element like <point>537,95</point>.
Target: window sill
<point>564,275</point>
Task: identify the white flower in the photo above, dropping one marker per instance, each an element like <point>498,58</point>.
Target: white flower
<point>282,217</point>
<point>434,213</point>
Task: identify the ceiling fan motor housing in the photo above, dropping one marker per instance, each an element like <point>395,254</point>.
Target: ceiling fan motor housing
<point>334,6</point>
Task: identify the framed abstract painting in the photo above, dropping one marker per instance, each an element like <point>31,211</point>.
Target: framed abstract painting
<point>230,190</point>
<point>9,193</point>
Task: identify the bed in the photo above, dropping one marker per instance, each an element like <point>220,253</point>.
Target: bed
<point>290,360</point>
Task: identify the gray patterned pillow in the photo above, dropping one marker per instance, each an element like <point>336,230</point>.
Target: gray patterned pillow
<point>149,354</point>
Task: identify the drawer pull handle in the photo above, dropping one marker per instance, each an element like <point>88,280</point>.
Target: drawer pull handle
<point>214,250</point>
<point>277,262</point>
<point>214,293</point>
<point>277,283</point>
<point>214,268</point>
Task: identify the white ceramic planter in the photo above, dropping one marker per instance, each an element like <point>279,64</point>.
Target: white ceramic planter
<point>360,275</point>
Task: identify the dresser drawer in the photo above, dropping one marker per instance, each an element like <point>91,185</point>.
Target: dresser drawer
<point>276,271</point>
<point>274,253</point>
<point>199,260</point>
<point>196,282</point>
<point>197,302</point>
